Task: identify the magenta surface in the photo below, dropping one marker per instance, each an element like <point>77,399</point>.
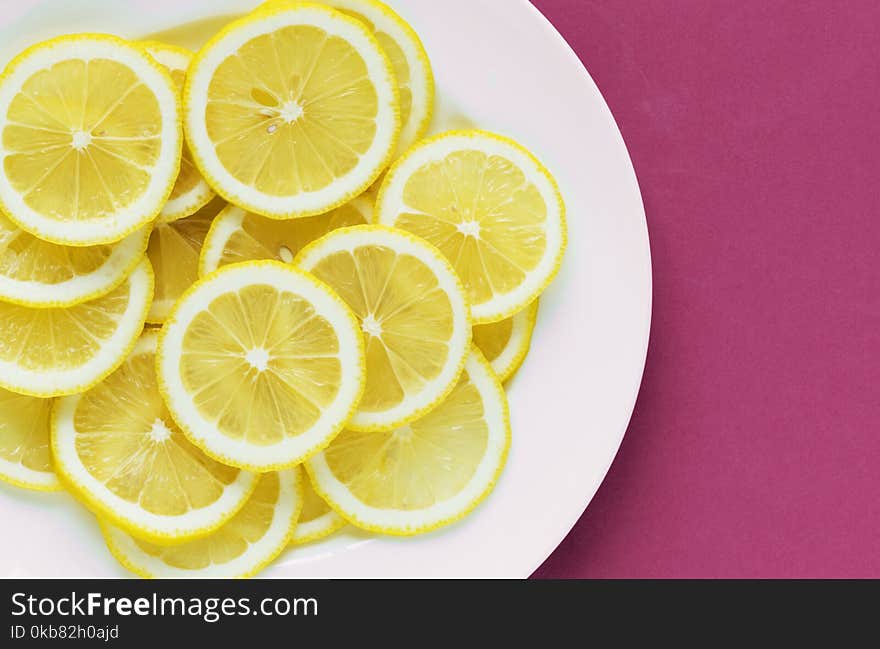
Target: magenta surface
<point>754,128</point>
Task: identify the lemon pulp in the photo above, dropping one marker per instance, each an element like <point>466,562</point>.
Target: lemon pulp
<point>81,137</point>
<point>296,128</point>
<point>405,314</point>
<point>483,213</point>
<point>127,440</point>
<point>24,432</point>
<point>261,363</point>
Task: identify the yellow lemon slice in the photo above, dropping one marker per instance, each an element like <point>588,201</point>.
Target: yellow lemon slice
<point>317,520</point>
<point>121,453</point>
<point>292,111</point>
<point>25,460</point>
<point>261,365</point>
<point>411,308</point>
<point>50,352</point>
<point>90,139</point>
<point>190,192</point>
<point>174,253</point>
<point>240,548</point>
<point>37,273</point>
<point>490,207</point>
<point>237,235</point>
<point>412,68</point>
<point>424,475</point>
<point>505,344</point>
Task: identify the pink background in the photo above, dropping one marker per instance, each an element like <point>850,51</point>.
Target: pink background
<point>754,449</point>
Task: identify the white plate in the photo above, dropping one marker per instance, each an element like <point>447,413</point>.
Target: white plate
<point>500,64</point>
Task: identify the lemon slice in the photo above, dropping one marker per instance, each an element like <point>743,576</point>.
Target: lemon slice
<point>240,548</point>
<point>237,235</point>
<point>25,460</point>
<point>50,352</point>
<point>90,139</point>
<point>261,365</point>
<point>317,520</point>
<point>174,253</point>
<point>190,191</point>
<point>37,273</point>
<point>292,110</point>
<point>424,475</point>
<point>490,207</point>
<point>119,451</point>
<point>412,68</point>
<point>505,344</point>
<point>412,311</point>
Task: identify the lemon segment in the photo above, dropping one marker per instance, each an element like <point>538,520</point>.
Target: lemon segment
<point>48,352</point>
<point>505,344</point>
<point>120,452</point>
<point>241,548</point>
<point>317,521</point>
<point>90,139</point>
<point>261,365</point>
<point>174,253</point>
<point>190,192</point>
<point>37,273</point>
<point>490,207</point>
<point>238,236</point>
<point>291,111</point>
<point>25,460</point>
<point>427,474</point>
<point>412,312</point>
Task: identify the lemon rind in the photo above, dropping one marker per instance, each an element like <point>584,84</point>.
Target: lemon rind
<point>390,202</point>
<point>172,137</point>
<point>104,503</point>
<point>178,58</point>
<point>193,118</point>
<point>317,528</point>
<point>127,553</point>
<point>462,333</point>
<point>208,435</point>
<point>514,353</point>
<point>131,249</point>
<point>130,325</point>
<point>417,522</point>
<point>18,475</point>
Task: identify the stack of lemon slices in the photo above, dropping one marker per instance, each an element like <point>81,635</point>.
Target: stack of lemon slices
<point>243,302</point>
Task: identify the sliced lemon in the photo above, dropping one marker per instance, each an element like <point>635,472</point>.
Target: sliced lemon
<point>37,273</point>
<point>292,110</point>
<point>505,344</point>
<point>190,192</point>
<point>25,460</point>
<point>120,452</point>
<point>237,235</point>
<point>50,352</point>
<point>424,475</point>
<point>411,308</point>
<point>317,520</point>
<point>90,140</point>
<point>490,207</point>
<point>174,253</point>
<point>261,365</point>
<point>240,548</point>
<point>412,68</point>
